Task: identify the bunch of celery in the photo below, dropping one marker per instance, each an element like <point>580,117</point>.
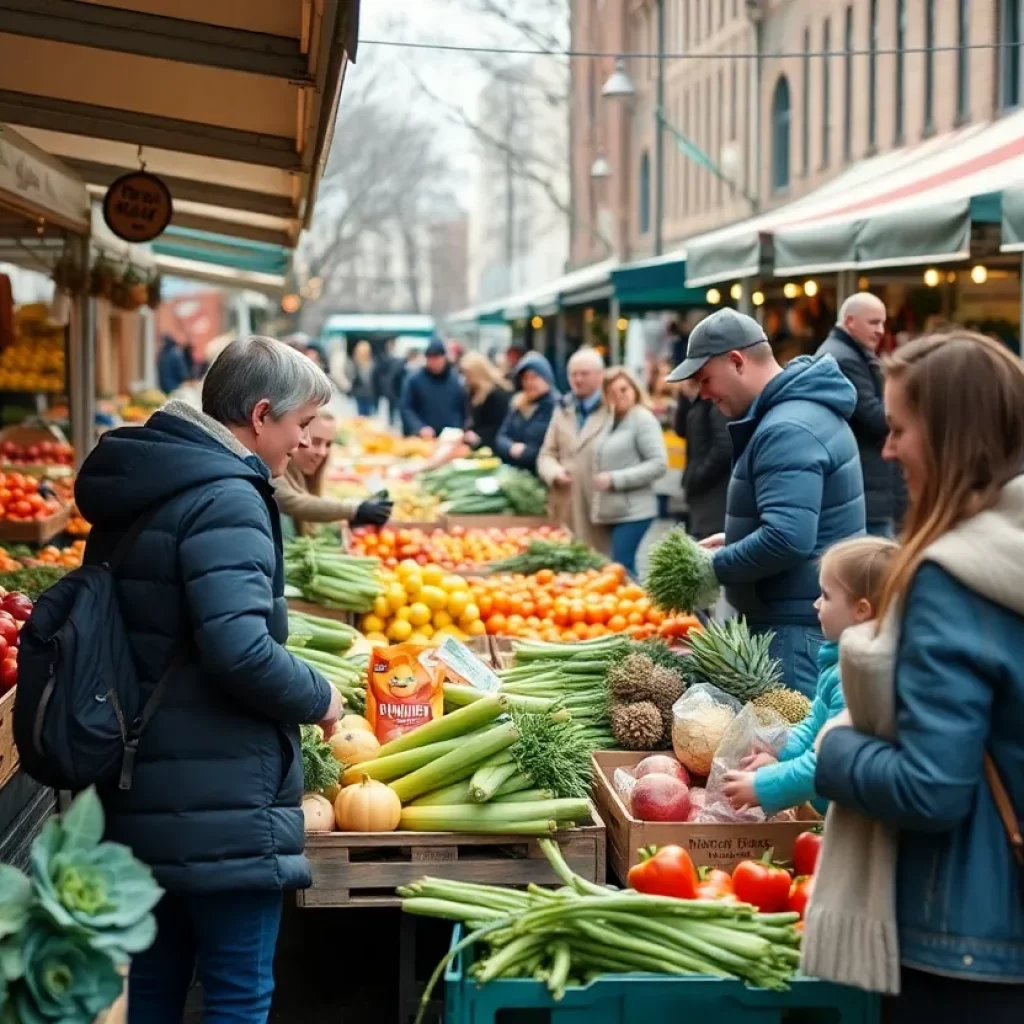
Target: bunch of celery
<point>332,578</point>
<point>573,674</point>
<point>583,930</point>
<point>489,767</point>
<point>320,643</point>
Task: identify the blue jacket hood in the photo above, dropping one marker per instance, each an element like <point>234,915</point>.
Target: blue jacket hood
<point>536,362</point>
<point>134,468</point>
<point>807,379</point>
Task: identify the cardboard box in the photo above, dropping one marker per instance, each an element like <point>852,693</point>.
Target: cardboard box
<point>717,845</point>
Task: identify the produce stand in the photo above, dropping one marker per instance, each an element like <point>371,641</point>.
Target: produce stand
<point>720,845</point>
<point>497,522</point>
<point>631,998</point>
<point>34,531</point>
<point>359,869</point>
<point>8,751</point>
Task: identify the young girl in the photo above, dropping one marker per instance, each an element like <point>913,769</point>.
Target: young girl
<point>852,577</point>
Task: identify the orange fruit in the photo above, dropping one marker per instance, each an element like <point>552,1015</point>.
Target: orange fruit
<point>596,630</point>
<point>581,629</point>
<point>577,612</point>
<point>635,618</point>
<point>545,576</point>
<point>496,624</point>
<point>617,623</point>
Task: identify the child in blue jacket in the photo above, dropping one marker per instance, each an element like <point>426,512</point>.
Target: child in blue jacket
<point>852,575</point>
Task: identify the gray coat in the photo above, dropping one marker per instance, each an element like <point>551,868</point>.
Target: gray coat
<point>633,452</point>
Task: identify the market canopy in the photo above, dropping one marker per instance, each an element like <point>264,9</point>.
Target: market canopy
<point>1012,213</point>
<point>911,206</point>
<point>655,283</point>
<point>232,104</point>
<point>418,325</point>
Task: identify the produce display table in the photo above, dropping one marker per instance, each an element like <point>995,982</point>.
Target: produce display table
<point>632,998</point>
<point>8,751</point>
<point>363,869</point>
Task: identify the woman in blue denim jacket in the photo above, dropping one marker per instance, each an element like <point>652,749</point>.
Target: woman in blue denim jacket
<point>956,595</point>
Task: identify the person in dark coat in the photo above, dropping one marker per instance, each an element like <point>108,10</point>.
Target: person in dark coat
<point>389,373</point>
<point>853,343</point>
<point>215,804</point>
<point>489,397</point>
<point>796,485</point>
<point>522,434</point>
<point>708,460</point>
<point>433,397</point>
<point>172,368</point>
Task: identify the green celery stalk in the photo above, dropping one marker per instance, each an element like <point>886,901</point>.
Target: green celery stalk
<point>458,723</point>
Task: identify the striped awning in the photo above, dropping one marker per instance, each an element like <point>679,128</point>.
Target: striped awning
<point>911,206</point>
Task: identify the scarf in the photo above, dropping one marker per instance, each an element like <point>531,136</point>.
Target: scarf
<point>851,933</point>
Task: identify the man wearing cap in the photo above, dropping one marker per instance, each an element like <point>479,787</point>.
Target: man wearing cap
<point>796,485</point>
<point>433,397</point>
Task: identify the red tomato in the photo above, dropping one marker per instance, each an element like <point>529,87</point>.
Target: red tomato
<point>715,884</point>
<point>8,673</point>
<point>665,872</point>
<point>762,883</point>
<point>21,508</point>
<point>806,849</point>
<point>799,895</point>
<point>8,629</point>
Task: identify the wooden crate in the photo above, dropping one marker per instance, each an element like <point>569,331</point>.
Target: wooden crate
<point>719,845</point>
<point>309,608</point>
<point>35,531</point>
<point>8,751</point>
<point>502,651</point>
<point>355,869</point>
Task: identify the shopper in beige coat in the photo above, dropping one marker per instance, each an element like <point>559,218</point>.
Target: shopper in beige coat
<point>566,460</point>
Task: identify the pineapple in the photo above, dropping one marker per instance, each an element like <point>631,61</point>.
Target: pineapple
<point>727,655</point>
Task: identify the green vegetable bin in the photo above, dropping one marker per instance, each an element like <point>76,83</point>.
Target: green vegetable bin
<point>634,998</point>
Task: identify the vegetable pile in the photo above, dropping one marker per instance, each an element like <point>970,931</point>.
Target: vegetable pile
<point>542,554</point>
<point>485,487</point>
<point>321,643</point>
<point>584,930</point>
<point>326,576</point>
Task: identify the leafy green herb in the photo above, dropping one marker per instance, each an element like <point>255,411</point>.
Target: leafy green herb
<point>555,555</point>
<point>319,767</point>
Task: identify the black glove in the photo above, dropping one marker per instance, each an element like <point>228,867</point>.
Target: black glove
<point>373,512</point>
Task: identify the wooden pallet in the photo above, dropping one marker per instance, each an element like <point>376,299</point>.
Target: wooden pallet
<point>353,869</point>
<point>8,751</point>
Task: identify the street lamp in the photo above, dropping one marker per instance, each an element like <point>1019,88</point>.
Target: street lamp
<point>619,84</point>
<point>600,168</point>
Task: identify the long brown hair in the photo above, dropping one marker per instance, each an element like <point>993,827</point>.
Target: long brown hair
<point>967,391</point>
<point>482,377</point>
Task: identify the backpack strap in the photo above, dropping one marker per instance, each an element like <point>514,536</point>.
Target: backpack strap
<point>1006,811</point>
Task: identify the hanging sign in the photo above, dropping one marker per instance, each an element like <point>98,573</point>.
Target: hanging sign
<point>137,207</point>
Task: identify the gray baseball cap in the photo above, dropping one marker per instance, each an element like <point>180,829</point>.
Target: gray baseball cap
<point>723,331</point>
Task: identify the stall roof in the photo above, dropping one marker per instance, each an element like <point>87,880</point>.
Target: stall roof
<point>910,206</point>
<point>232,102</point>
<point>226,277</point>
<point>380,323</point>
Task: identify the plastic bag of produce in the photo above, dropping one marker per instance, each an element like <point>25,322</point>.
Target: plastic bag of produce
<point>700,719</point>
<point>623,782</point>
<point>751,730</point>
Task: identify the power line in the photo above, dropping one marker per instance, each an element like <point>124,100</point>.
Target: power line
<point>523,51</point>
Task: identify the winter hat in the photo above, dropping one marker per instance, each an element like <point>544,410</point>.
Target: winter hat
<point>536,362</point>
<point>435,348</point>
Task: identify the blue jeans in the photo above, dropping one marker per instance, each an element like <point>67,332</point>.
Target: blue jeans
<point>230,937</point>
<point>365,406</point>
<point>797,648</point>
<point>883,528</point>
<point>626,538</point>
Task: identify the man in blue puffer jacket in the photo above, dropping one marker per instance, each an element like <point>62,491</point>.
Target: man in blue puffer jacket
<point>796,485</point>
<point>433,397</point>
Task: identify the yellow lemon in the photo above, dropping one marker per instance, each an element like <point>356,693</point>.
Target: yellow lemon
<point>469,614</point>
<point>406,566</point>
<point>442,619</point>
<point>433,597</point>
<point>476,628</point>
<point>403,614</point>
<point>413,583</point>
<point>452,582</point>
<point>458,601</point>
<point>418,638</point>
<point>419,614</point>
<point>443,631</point>
<point>381,607</point>
<point>433,575</point>
<point>376,638</point>
<point>426,629</point>
<point>372,624</point>
<point>396,596</point>
<point>399,631</point>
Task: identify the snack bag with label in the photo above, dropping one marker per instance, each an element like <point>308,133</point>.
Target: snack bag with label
<point>405,689</point>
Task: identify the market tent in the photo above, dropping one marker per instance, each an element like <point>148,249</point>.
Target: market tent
<point>1012,213</point>
<point>419,325</point>
<point>232,104</point>
<point>914,205</point>
<point>655,283</point>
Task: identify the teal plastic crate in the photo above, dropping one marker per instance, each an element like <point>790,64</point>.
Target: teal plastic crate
<point>639,998</point>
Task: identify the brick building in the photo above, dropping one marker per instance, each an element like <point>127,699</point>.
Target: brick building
<point>839,81</point>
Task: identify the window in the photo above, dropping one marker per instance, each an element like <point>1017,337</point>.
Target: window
<point>929,67</point>
<point>826,95</point>
<point>645,193</point>
<point>805,101</point>
<point>963,56</point>
<point>733,97</point>
<point>781,117</point>
<point>873,76</point>
<point>848,84</point>
<point>901,60</point>
<point>719,100</point>
<point>1009,54</point>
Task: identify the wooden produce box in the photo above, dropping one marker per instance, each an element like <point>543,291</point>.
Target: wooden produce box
<point>498,522</point>
<point>8,751</point>
<point>503,653</point>
<point>363,869</point>
<point>309,608</point>
<point>34,531</point>
<point>714,844</point>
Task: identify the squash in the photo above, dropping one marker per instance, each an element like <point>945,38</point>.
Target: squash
<point>369,806</point>
<point>353,746</point>
<point>318,813</point>
<point>350,722</point>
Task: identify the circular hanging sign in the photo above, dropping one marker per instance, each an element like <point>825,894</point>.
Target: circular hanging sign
<point>138,206</point>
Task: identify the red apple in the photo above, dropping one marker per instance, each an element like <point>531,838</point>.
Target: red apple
<point>8,672</point>
<point>18,606</point>
<point>8,629</point>
<point>660,797</point>
<point>662,764</point>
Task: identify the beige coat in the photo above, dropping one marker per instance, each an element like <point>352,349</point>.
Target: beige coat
<point>566,448</point>
<point>295,498</point>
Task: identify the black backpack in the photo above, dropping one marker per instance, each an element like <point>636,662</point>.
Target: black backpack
<point>81,706</point>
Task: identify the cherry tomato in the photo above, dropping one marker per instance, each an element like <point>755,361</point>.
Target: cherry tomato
<point>762,883</point>
<point>806,849</point>
<point>799,895</point>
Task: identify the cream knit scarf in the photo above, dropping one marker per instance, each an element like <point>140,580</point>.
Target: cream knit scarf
<point>851,933</point>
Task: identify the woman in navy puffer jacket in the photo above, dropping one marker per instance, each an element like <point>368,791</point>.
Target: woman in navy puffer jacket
<point>951,637</point>
<point>522,434</point>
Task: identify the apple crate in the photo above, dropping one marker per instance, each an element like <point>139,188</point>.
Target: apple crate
<point>8,751</point>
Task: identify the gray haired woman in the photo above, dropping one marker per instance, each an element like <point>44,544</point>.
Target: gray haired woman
<point>215,804</point>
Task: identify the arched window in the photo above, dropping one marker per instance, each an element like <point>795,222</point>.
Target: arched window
<point>873,76</point>
<point>781,119</point>
<point>645,193</point>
